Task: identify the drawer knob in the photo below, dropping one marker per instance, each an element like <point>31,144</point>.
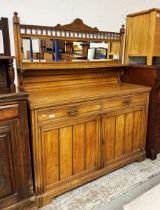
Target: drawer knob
<point>127,101</point>
<point>72,112</point>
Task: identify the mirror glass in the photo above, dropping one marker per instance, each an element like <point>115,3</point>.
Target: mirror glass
<point>49,50</point>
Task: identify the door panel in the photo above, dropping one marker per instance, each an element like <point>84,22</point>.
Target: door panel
<point>65,152</point>
<point>129,132</point>
<point>109,134</point>
<point>137,130</point>
<point>6,165</point>
<point>123,134</point>
<point>79,148</point>
<point>90,144</point>
<point>119,135</point>
<point>51,165</point>
<point>9,191</point>
<point>69,150</point>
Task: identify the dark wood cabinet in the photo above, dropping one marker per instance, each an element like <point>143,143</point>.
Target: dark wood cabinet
<point>150,76</point>
<point>16,183</point>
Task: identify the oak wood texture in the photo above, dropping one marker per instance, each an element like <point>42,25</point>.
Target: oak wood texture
<point>143,35</point>
<point>16,184</point>
<point>150,76</point>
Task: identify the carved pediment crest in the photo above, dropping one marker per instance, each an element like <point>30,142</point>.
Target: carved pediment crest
<point>77,25</point>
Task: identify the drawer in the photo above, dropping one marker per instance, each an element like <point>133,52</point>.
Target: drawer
<point>122,102</point>
<point>8,112</point>
<point>68,111</point>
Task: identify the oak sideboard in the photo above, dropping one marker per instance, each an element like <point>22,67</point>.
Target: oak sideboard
<point>84,121</point>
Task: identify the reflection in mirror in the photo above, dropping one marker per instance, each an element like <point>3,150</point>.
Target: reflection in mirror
<point>49,50</point>
<point>1,43</point>
<point>100,50</point>
<point>31,49</point>
<point>26,49</point>
<point>114,50</point>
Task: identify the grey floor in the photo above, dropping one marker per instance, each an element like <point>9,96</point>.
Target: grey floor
<point>111,191</point>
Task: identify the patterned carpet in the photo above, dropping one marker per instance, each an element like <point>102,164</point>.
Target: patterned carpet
<point>102,190</point>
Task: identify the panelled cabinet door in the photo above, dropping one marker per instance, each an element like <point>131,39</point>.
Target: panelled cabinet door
<point>124,133</point>
<point>69,150</point>
<point>9,190</point>
<point>156,121</point>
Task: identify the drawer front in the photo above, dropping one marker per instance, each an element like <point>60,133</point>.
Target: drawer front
<point>123,102</point>
<point>8,112</point>
<point>70,111</point>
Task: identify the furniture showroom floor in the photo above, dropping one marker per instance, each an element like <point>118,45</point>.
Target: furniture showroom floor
<point>111,191</point>
<point>148,201</point>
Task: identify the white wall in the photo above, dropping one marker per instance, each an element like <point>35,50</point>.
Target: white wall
<point>106,15</point>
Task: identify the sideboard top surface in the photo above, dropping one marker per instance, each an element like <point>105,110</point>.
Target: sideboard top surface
<point>6,95</point>
<point>68,65</point>
<point>60,96</point>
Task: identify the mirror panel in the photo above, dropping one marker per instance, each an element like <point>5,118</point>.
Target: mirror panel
<point>50,50</point>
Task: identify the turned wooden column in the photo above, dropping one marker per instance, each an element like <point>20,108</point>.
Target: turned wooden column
<point>122,33</point>
<point>11,75</point>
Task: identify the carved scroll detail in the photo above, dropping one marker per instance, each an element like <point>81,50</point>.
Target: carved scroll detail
<point>76,25</point>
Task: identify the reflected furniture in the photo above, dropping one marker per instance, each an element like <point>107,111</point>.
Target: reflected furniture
<point>143,38</point>
<point>84,121</point>
<point>16,184</point>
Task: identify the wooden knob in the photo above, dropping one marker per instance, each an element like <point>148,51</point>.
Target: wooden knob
<point>127,101</point>
<point>72,112</point>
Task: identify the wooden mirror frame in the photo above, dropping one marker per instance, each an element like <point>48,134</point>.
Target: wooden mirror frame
<point>76,31</point>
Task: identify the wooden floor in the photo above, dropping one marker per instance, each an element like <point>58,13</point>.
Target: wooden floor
<point>111,191</point>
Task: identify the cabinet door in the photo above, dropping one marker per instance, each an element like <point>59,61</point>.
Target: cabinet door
<point>9,190</point>
<point>69,151</point>
<point>124,134</point>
